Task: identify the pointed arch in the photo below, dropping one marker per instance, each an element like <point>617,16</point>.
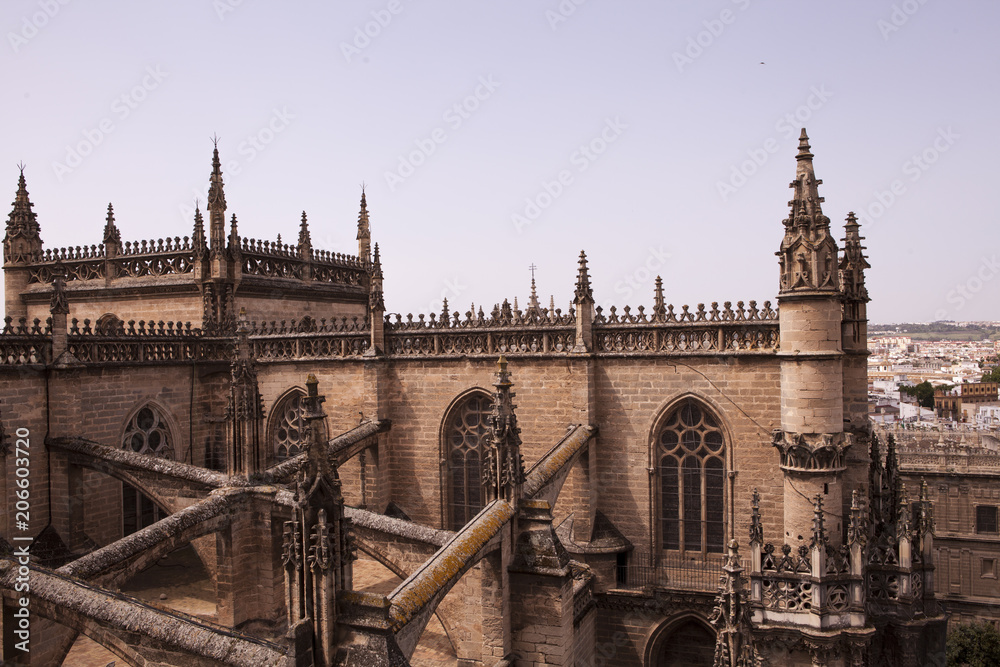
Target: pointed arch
<point>147,430</point>
<point>286,430</point>
<point>690,453</point>
<point>681,641</point>
<point>463,439</point>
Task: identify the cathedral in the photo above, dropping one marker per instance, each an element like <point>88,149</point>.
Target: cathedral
<point>650,486</point>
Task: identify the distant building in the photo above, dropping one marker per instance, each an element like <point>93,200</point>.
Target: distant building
<point>960,403</point>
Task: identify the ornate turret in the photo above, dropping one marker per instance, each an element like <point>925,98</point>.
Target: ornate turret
<point>23,243</point>
<point>216,205</point>
<point>305,238</point>
<point>583,301</point>
<point>853,263</point>
<point>112,237</point>
<point>808,253</point>
<point>376,308</point>
<point>854,332</point>
<point>503,466</point>
<point>734,644</point>
<point>245,411</point>
<point>317,549</point>
<point>364,231</point>
<point>198,241</point>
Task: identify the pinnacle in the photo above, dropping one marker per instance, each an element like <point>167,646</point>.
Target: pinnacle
<point>804,146</point>
<point>583,289</point>
<point>364,231</point>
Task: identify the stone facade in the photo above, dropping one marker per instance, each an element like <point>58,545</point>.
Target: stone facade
<point>586,522</point>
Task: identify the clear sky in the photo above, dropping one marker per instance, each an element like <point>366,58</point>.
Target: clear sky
<point>658,136</point>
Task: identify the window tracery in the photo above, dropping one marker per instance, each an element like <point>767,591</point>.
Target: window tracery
<point>146,433</point>
<point>465,437</point>
<point>690,459</point>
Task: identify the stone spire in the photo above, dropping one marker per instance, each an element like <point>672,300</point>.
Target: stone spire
<point>853,263</point>
<point>659,308</point>
<point>503,467</point>
<point>216,204</point>
<point>808,254</point>
<point>305,238</point>
<point>316,550</point>
<point>376,308</point>
<point>583,302</point>
<point>111,233</point>
<point>234,235</point>
<point>198,241</point>
<point>364,230</point>
<point>583,291</point>
<point>245,411</point>
<point>375,297</point>
<point>734,644</point>
<point>22,242</point>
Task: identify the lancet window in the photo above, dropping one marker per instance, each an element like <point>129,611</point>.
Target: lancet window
<point>465,439</point>
<point>690,462</point>
<point>146,433</point>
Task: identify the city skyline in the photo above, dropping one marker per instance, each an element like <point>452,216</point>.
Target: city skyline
<point>660,140</point>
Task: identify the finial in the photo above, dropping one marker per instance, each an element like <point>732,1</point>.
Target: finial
<point>583,292</point>
<point>804,146</point>
<point>111,233</point>
<point>305,238</point>
<point>364,229</point>
<point>216,196</point>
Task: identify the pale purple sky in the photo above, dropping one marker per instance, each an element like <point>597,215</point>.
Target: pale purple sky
<point>676,99</point>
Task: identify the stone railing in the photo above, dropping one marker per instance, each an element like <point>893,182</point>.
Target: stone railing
<point>714,331</point>
<point>281,260</point>
<point>309,339</point>
<point>135,259</point>
<point>145,342</point>
<point>24,343</point>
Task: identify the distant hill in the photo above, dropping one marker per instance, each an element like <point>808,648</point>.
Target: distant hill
<point>939,330</point>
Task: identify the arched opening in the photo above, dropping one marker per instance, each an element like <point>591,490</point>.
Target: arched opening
<point>146,432</point>
<point>109,324</point>
<point>689,455</point>
<point>686,643</point>
<point>288,430</point>
<point>463,440</point>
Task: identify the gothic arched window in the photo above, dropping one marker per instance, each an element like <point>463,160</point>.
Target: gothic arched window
<point>690,459</point>
<point>289,429</point>
<point>465,437</point>
<point>146,433</point>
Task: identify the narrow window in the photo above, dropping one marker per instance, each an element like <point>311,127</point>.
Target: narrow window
<point>691,454</point>
<point>464,441</point>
